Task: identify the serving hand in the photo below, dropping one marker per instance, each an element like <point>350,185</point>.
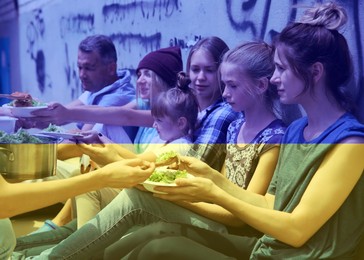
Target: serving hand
<point>91,137</point>
<point>55,113</point>
<point>101,154</point>
<point>126,173</point>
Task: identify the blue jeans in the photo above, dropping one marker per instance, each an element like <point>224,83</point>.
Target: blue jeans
<point>7,238</point>
<point>172,240</point>
<point>35,244</point>
<point>129,209</point>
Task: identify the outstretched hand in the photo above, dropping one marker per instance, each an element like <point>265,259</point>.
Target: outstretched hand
<point>55,113</point>
<point>90,137</point>
<point>126,173</point>
<point>101,154</point>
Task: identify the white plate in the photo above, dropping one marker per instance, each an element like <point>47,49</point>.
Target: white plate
<point>22,111</point>
<point>62,135</point>
<point>150,185</point>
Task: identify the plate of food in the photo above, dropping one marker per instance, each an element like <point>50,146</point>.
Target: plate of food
<point>59,132</point>
<point>23,111</point>
<point>62,135</point>
<point>163,176</point>
<point>23,104</point>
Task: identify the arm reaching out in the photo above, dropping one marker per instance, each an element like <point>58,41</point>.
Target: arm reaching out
<point>31,196</point>
<point>104,154</point>
<point>58,114</point>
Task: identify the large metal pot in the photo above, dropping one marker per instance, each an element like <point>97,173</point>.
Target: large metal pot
<point>19,162</point>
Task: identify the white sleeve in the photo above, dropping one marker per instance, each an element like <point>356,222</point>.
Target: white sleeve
<point>84,97</point>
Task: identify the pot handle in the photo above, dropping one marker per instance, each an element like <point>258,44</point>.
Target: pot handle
<point>9,153</point>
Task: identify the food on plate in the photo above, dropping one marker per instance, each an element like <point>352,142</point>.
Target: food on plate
<point>165,175</point>
<point>20,95</point>
<point>20,137</point>
<point>58,131</point>
<point>54,129</point>
<point>167,158</point>
<point>26,103</point>
<point>22,99</point>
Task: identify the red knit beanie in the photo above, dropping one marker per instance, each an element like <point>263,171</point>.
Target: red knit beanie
<point>166,63</point>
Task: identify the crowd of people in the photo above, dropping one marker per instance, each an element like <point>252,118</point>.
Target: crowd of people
<point>264,187</point>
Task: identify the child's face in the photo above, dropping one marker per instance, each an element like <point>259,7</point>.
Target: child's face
<point>239,87</point>
<point>144,83</point>
<point>167,128</point>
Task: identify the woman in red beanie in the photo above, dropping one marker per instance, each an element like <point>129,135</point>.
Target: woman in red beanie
<point>156,72</point>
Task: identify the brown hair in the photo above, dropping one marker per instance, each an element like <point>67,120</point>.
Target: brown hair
<point>177,102</point>
<point>256,60</point>
<point>213,45</point>
<point>316,39</point>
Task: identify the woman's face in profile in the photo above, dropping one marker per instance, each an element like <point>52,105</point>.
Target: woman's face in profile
<point>144,83</point>
<point>290,88</point>
<point>239,90</point>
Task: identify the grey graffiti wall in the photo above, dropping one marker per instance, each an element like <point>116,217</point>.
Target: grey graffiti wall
<point>50,33</point>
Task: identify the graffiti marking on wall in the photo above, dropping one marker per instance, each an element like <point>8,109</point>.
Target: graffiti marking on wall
<point>77,24</point>
<point>71,73</point>
<point>239,15</point>
<point>35,33</point>
<point>156,8</point>
<point>129,40</point>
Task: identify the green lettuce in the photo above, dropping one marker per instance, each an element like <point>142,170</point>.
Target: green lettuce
<point>167,175</point>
